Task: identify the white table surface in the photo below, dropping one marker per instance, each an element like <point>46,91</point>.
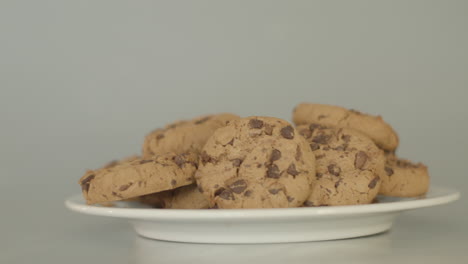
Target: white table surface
<point>52,234</point>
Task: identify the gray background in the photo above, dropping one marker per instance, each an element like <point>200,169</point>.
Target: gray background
<point>82,82</point>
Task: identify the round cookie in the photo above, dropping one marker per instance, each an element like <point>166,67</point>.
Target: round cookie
<point>183,136</point>
<point>185,197</point>
<point>256,162</point>
<point>348,165</point>
<point>402,178</point>
<point>328,115</point>
<point>138,177</point>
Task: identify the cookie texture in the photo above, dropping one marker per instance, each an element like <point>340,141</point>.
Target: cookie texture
<point>185,197</point>
<point>403,178</point>
<point>256,162</point>
<point>348,164</point>
<point>183,136</point>
<point>138,177</point>
<point>328,115</point>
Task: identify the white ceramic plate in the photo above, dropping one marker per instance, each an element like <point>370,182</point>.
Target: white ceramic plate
<point>264,225</point>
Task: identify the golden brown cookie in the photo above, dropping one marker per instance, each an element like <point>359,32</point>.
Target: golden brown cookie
<point>183,136</point>
<point>139,177</point>
<point>348,164</point>
<point>185,197</point>
<point>328,115</point>
<point>403,178</point>
<point>256,162</point>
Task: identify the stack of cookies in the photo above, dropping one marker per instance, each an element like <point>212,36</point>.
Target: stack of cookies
<point>331,156</point>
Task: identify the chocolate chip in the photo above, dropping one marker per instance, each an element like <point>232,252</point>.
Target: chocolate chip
<point>406,164</point>
<point>338,183</point>
<point>125,186</point>
<point>355,111</point>
<point>231,142</point>
<point>312,127</point>
<point>117,195</point>
<point>226,195</point>
<point>305,133</point>
<point>275,155</point>
<point>255,123</point>
<point>342,147</point>
<point>287,132</point>
<point>273,171</point>
<point>334,169</point>
<point>200,189</point>
<point>236,162</point>
<point>318,175</point>
<point>215,206</point>
<point>259,165</point>
<point>179,160</point>
<point>314,146</point>
<point>292,170</point>
<point>238,186</point>
<point>320,156</point>
<point>86,182</point>
<point>274,191</point>
<point>290,199</point>
<point>173,182</point>
<point>268,130</point>
<point>373,183</point>
<point>159,136</point>
<point>205,158</point>
<point>203,120</point>
<point>309,204</point>
<point>321,117</point>
<point>298,153</point>
<point>88,179</point>
<point>219,191</point>
<point>346,138</point>
<point>145,161</point>
<point>326,148</point>
<point>321,139</point>
<point>248,193</point>
<point>360,160</point>
<point>389,171</point>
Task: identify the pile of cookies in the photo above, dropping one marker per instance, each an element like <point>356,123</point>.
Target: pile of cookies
<point>331,156</point>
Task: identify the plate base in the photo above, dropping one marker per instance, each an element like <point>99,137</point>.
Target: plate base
<point>255,232</point>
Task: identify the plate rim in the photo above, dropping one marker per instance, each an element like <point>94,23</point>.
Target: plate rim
<point>443,196</point>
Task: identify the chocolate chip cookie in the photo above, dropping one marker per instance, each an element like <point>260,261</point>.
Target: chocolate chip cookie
<point>185,197</point>
<point>183,136</point>
<point>256,162</point>
<point>139,177</point>
<point>373,126</point>
<point>403,178</point>
<point>348,164</point>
